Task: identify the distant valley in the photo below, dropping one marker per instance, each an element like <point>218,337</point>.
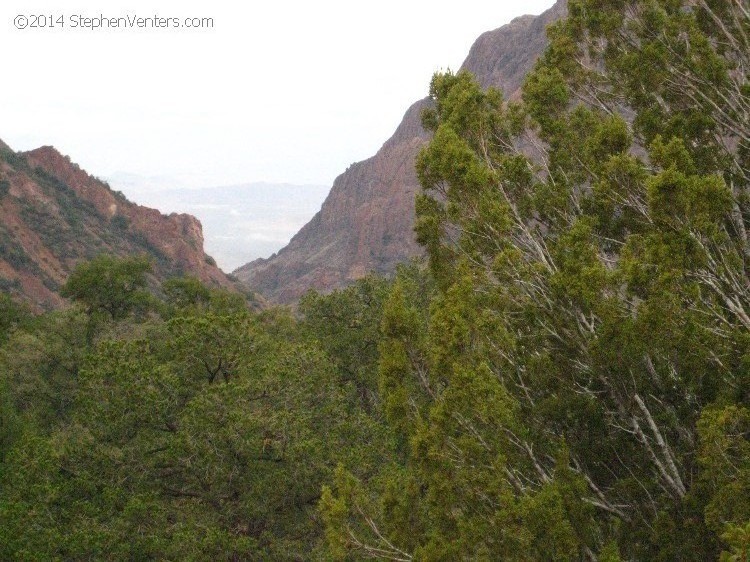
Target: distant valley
<point>366,223</point>
<point>240,222</point>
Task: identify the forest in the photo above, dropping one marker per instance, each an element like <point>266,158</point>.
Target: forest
<point>565,376</point>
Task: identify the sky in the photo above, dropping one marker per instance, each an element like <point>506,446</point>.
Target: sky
<point>284,91</point>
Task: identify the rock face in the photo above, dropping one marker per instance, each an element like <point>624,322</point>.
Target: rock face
<point>366,223</point>
<point>54,215</point>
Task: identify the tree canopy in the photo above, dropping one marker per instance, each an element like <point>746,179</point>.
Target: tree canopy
<point>109,286</point>
<point>570,389</point>
<point>567,377</point>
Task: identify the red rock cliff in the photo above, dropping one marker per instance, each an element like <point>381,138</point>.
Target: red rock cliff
<point>53,215</point>
<point>366,223</point>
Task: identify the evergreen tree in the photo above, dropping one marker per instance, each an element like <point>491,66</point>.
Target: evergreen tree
<point>588,344</point>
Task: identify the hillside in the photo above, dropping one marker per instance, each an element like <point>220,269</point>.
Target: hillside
<point>366,223</point>
<point>54,215</point>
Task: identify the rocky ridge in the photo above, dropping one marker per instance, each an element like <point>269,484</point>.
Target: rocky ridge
<point>54,215</point>
<point>366,223</point>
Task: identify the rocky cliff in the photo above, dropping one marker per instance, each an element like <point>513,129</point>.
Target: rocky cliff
<point>366,223</point>
<point>54,215</point>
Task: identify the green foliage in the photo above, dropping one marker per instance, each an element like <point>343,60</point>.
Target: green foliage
<point>39,365</point>
<point>62,225</point>
<point>216,398</point>
<point>9,286</point>
<point>12,252</point>
<point>346,324</point>
<point>58,234</point>
<point>109,286</point>
<point>14,159</point>
<point>205,434</point>
<point>186,296</point>
<point>12,315</point>
<point>10,423</point>
<point>568,381</point>
<point>185,292</point>
<point>738,537</point>
<point>577,388</point>
<point>120,222</point>
<point>724,455</point>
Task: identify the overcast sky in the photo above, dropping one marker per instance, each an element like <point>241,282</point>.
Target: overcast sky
<point>283,91</point>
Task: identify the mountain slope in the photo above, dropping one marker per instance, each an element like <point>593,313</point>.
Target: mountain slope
<point>54,215</point>
<point>366,223</point>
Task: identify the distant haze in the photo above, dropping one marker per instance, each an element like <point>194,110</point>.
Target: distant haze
<point>287,91</point>
<point>240,222</point>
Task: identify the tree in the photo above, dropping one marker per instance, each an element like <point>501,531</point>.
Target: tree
<point>109,286</point>
<point>183,292</point>
<point>590,327</point>
<point>185,295</point>
<point>346,324</point>
<point>12,315</point>
<point>39,367</point>
<point>206,436</point>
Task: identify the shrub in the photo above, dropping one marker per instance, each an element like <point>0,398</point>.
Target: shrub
<point>120,222</point>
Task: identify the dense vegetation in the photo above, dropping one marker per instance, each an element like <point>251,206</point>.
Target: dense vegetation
<point>579,385</point>
<point>568,378</point>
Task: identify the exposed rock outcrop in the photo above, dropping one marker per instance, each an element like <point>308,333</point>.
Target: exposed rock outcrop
<point>54,215</point>
<point>366,223</point>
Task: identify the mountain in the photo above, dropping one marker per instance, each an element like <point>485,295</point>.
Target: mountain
<point>54,215</point>
<point>240,222</point>
<point>366,222</point>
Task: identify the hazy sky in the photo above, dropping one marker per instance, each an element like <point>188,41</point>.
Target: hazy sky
<point>282,91</point>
